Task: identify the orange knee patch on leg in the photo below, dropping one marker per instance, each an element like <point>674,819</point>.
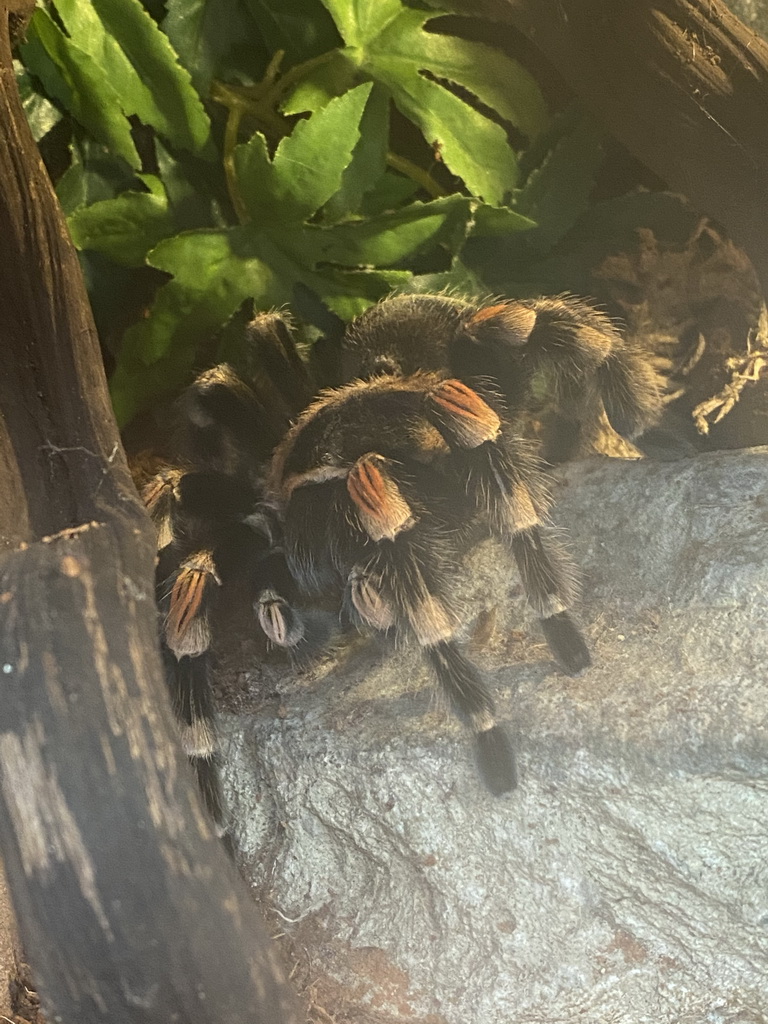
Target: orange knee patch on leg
<point>382,509</point>
<point>512,322</point>
<point>186,626</point>
<point>470,418</point>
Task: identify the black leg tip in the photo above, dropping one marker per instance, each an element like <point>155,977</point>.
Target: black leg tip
<point>209,782</point>
<point>496,759</point>
<point>566,643</point>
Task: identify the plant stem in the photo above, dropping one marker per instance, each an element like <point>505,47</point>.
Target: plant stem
<point>293,75</point>
<point>230,141</point>
<point>417,174</point>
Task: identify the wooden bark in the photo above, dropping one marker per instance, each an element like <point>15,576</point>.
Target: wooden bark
<point>683,84</point>
<point>128,907</point>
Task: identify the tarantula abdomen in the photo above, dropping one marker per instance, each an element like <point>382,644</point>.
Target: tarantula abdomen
<point>557,356</point>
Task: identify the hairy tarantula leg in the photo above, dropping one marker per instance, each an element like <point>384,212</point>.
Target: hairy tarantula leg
<point>272,344</point>
<point>548,582</point>
<point>579,348</point>
<point>474,705</point>
<point>512,494</point>
<point>368,601</point>
<point>160,498</point>
<point>434,626</point>
<point>187,629</point>
<point>463,414</point>
<point>382,509</point>
<point>397,590</point>
<point>393,587</point>
<point>278,619</point>
<point>189,684</point>
<point>228,427</point>
<point>546,571</point>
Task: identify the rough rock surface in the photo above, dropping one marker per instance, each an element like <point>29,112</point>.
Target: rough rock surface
<point>626,880</point>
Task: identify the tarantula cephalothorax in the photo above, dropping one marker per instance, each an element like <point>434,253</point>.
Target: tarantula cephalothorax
<point>378,487</point>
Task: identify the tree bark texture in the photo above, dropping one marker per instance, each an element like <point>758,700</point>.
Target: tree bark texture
<point>683,84</point>
<point>128,907</point>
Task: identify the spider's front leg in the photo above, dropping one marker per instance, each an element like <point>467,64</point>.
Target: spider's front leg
<point>401,579</point>
<point>505,481</point>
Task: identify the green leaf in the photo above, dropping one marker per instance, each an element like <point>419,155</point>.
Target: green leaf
<point>360,20</point>
<point>125,228</point>
<point>389,193</point>
<point>459,281</point>
<point>79,84</point>
<point>557,190</point>
<point>473,147</point>
<point>369,159</point>
<point>500,220</point>
<point>41,113</point>
<point>209,36</point>
<point>350,292</point>
<point>385,240</point>
<point>195,189</point>
<point>213,273</point>
<point>126,43</point>
<point>308,165</point>
<point>495,79</point>
<point>92,176</point>
<point>302,30</point>
<point>387,42</point>
<point>319,85</point>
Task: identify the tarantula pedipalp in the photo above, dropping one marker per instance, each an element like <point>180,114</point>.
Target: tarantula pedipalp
<point>376,490</point>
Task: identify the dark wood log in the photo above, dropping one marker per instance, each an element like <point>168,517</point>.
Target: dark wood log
<point>128,907</point>
<point>683,84</point>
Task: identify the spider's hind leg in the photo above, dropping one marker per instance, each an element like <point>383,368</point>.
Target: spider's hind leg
<point>595,379</point>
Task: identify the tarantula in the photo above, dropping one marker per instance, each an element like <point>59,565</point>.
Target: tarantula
<point>377,488</point>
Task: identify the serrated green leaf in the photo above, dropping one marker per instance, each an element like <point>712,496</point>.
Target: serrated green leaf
<point>496,80</point>
<point>459,281</point>
<point>350,292</point>
<point>557,190</point>
<point>40,112</point>
<point>126,228</point>
<point>121,37</point>
<point>461,134</point>
<point>213,272</point>
<point>195,190</point>
<point>320,85</point>
<point>93,175</point>
<point>392,237</point>
<point>77,82</point>
<point>387,42</point>
<point>500,220</point>
<point>308,165</point>
<point>359,21</point>
<point>369,159</point>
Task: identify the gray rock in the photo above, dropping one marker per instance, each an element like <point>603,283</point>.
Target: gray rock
<point>752,13</point>
<point>626,880</point>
